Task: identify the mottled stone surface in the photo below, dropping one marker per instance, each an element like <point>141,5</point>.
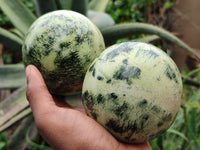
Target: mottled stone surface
<point>134,90</point>
<point>62,44</point>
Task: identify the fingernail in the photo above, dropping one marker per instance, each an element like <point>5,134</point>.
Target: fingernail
<point>28,71</point>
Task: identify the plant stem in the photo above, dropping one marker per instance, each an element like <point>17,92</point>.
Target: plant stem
<point>112,33</point>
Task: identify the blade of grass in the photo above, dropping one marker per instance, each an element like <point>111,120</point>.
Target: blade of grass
<point>191,109</point>
<point>98,5</point>
<point>191,73</point>
<point>10,40</point>
<point>192,83</point>
<point>112,33</point>
<point>43,7</point>
<point>12,76</point>
<point>191,125</point>
<point>18,13</point>
<point>179,134</point>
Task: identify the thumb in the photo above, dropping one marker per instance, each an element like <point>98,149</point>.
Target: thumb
<point>37,93</point>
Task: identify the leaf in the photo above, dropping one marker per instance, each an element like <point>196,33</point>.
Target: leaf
<point>74,100</point>
<point>98,5</point>
<point>80,6</point>
<point>18,13</point>
<point>168,4</point>
<point>2,145</point>
<point>191,119</point>
<point>16,107</point>
<point>10,40</point>
<point>12,76</point>
<point>112,33</point>
<point>100,19</point>
<point>148,39</point>
<point>12,106</point>
<point>44,6</point>
<point>64,4</point>
<point>16,118</point>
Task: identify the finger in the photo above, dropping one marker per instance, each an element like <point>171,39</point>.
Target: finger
<point>37,93</point>
<point>142,146</point>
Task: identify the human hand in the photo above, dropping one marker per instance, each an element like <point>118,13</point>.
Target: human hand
<point>66,128</point>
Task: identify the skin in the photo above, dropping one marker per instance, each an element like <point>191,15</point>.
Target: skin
<point>64,127</point>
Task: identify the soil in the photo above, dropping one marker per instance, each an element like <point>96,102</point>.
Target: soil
<point>187,25</point>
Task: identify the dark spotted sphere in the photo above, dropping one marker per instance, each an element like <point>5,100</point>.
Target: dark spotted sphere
<point>62,44</point>
<point>134,90</point>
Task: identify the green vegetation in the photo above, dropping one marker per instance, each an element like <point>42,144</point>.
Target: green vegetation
<point>184,134</point>
<point>128,10</point>
<point>4,21</point>
<point>3,140</point>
